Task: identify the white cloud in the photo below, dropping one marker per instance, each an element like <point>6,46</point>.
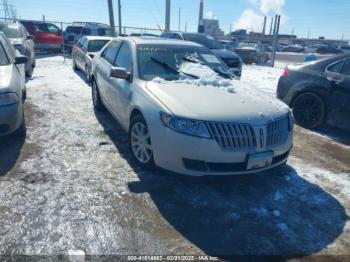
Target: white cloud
<point>250,20</point>
<point>211,15</point>
<point>275,6</point>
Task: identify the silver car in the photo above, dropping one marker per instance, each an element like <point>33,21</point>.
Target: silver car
<point>12,89</point>
<point>84,51</point>
<point>22,41</point>
<point>184,112</point>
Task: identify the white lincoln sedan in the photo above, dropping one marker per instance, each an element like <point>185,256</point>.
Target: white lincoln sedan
<point>185,112</point>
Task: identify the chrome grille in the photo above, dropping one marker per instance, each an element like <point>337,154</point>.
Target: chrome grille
<point>231,135</point>
<point>277,131</point>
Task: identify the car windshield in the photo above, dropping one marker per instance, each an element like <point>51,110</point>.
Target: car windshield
<point>74,29</point>
<point>205,40</point>
<point>3,57</point>
<point>165,61</point>
<point>11,31</point>
<point>96,45</point>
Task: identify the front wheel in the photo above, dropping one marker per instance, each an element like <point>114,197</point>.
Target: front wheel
<point>309,110</point>
<point>74,64</point>
<point>96,98</point>
<point>140,143</point>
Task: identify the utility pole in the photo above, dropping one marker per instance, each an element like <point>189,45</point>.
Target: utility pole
<point>120,17</point>
<point>291,37</point>
<point>186,27</point>
<point>275,39</point>
<point>200,22</point>
<point>264,26</point>
<point>179,19</point>
<point>308,37</point>
<point>271,26</point>
<point>167,15</point>
<point>111,17</point>
<point>44,19</point>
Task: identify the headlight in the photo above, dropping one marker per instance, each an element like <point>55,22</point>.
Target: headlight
<point>186,126</point>
<point>7,99</point>
<point>21,49</point>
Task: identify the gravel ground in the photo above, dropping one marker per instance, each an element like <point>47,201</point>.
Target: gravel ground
<point>71,187</point>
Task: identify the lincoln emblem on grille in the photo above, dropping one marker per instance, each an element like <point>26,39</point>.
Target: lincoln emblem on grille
<point>262,138</point>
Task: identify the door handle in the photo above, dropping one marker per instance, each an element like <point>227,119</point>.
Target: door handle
<point>336,80</point>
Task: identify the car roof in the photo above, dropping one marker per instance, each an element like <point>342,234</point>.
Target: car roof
<point>12,24</point>
<point>320,65</point>
<point>159,41</point>
<point>90,37</point>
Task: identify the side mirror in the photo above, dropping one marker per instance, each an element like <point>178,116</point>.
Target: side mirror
<point>119,72</point>
<point>30,37</point>
<point>21,60</point>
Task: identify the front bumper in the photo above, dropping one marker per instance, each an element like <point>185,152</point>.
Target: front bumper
<point>195,156</point>
<point>10,118</point>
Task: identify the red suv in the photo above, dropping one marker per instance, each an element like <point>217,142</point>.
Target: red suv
<point>47,35</point>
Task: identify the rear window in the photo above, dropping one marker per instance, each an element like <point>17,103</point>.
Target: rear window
<point>96,45</point>
<point>11,31</point>
<point>104,32</point>
<point>336,68</point>
<point>3,57</point>
<point>74,29</point>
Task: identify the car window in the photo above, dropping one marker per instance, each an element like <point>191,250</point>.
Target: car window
<point>346,68</point>
<point>110,53</point>
<point>40,27</point>
<point>336,68</point>
<point>73,30</point>
<point>86,31</point>
<point>3,57</point>
<point>176,36</point>
<point>124,58</point>
<point>96,45</point>
<point>104,32</point>
<point>51,28</point>
<point>11,31</point>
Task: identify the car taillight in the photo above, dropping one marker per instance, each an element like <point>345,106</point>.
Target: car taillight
<point>285,73</point>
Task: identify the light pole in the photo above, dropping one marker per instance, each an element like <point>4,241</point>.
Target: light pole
<point>111,17</point>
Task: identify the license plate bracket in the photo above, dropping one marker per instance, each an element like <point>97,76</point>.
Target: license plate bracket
<point>259,160</point>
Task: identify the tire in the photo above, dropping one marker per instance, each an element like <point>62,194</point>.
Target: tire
<point>29,72</point>
<point>88,75</point>
<point>309,110</point>
<point>74,64</point>
<point>24,95</point>
<point>96,98</point>
<point>140,143</point>
<point>22,129</point>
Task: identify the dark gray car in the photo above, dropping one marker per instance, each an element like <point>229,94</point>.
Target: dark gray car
<point>84,51</point>
<point>22,41</point>
<point>318,92</point>
<point>12,89</point>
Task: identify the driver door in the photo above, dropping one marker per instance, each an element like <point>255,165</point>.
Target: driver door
<point>121,89</point>
<point>339,76</point>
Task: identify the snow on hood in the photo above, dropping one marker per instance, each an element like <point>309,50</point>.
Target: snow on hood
<point>214,98</point>
<point>206,76</point>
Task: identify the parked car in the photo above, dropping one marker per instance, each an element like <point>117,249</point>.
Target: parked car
<point>229,44</point>
<point>294,48</point>
<point>311,48</point>
<point>84,51</point>
<point>325,49</point>
<point>231,59</point>
<point>12,89</point>
<point>318,92</point>
<point>47,36</point>
<point>178,120</point>
<point>79,29</point>
<point>22,41</point>
<point>252,53</point>
<point>345,48</point>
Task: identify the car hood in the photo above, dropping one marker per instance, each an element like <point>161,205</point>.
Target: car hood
<point>226,54</point>
<point>211,103</point>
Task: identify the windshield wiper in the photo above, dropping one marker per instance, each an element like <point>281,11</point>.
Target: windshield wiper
<point>169,67</point>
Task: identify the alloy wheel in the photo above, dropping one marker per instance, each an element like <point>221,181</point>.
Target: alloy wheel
<point>141,142</point>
